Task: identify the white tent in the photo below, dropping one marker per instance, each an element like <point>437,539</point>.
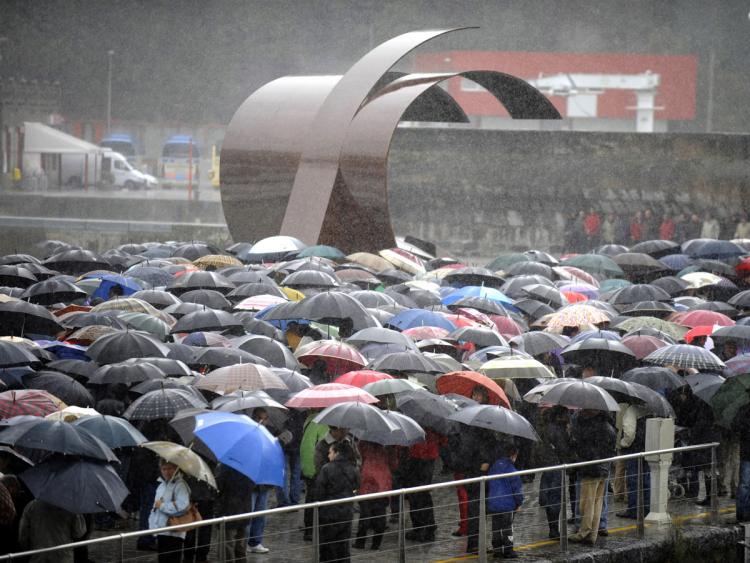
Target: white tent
<point>39,138</point>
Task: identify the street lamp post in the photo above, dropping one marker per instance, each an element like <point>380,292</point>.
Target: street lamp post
<point>109,91</point>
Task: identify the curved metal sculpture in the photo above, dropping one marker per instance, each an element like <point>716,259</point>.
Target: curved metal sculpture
<point>307,156</point>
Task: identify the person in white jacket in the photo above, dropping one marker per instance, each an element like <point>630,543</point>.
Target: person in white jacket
<point>172,499</point>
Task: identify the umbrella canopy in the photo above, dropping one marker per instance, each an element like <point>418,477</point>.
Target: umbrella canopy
<point>629,392</point>
<point>55,436</point>
<point>114,431</point>
<point>76,261</point>
<point>573,394</point>
<point>360,378</point>
<point>674,331</point>
<point>355,415</point>
<point>222,357</point>
<point>576,316</point>
<point>515,367</point>
<point>121,346</point>
<point>79,486</point>
<point>731,396</point>
<point>207,299</point>
<point>245,400</point>
<point>638,292</point>
<point>597,264</point>
<point>685,356</point>
<point>538,342</point>
<point>407,433</point>
<point>654,377</point>
<point>602,353</point>
<point>62,386</point>
<point>738,365</point>
<point>53,290</point>
<point>406,362</point>
<point>656,248</point>
<point>480,336</point>
<point>248,377</point>
<point>391,387</point>
<point>464,383</point>
<point>16,276</point>
<point>481,304</point>
<point>184,458</point>
<point>704,385</point>
<point>339,357</point>
<point>161,403</point>
<point>417,318</point>
<point>643,345</point>
<point>208,320</point>
<point>21,317</point>
<point>127,372</point>
<point>267,348</point>
<point>28,402</point>
<point>381,335</point>
<point>638,264</point>
<point>701,318</point>
<point>427,409</point>
<point>498,419</point>
<point>321,396</point>
<point>241,443</point>
<point>199,280</point>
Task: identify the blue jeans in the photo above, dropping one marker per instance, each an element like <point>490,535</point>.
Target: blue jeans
<point>604,519</point>
<point>257,525</point>
<point>290,494</point>
<point>743,492</point>
<point>631,479</point>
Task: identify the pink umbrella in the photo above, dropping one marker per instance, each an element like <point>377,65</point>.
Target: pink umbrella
<point>426,332</point>
<point>362,377</point>
<point>506,326</point>
<point>475,315</point>
<point>321,396</point>
<point>259,302</point>
<point>338,356</point>
<point>642,344</point>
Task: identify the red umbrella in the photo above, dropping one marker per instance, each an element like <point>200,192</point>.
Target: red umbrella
<point>464,382</point>
<point>33,402</point>
<point>426,332</point>
<point>642,344</point>
<point>698,331</point>
<point>461,321</point>
<point>507,326</point>
<point>321,396</point>
<point>574,297</point>
<point>475,315</point>
<point>338,356</point>
<point>700,317</point>
<point>362,377</point>
<point>743,268</point>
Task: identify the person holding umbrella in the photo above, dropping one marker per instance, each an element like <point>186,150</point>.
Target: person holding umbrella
<point>555,449</point>
<point>339,478</point>
<point>378,464</point>
<point>172,499</point>
<point>46,525</point>
<point>235,495</point>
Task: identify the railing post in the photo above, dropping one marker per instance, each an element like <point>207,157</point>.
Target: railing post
<point>222,552</point>
<point>639,503</point>
<point>714,486</point>
<point>482,544</point>
<point>121,556</point>
<point>401,529</point>
<point>316,535</point>
<point>564,511</point>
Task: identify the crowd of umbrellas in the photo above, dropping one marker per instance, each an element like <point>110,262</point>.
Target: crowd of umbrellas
<point>197,336</point>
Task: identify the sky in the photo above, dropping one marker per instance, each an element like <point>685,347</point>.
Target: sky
<point>197,60</point>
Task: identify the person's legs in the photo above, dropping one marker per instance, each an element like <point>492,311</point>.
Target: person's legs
<point>462,506</point>
<point>497,541</point>
<point>619,487</point>
<point>743,492</point>
<point>234,548</point>
<point>310,496</point>
<point>257,525</point>
<point>604,517</point>
<point>600,491</point>
<point>169,548</point>
<point>295,478</point>
<point>472,493</point>
<point>364,523</point>
<point>550,498</point>
<point>589,516</point>
<point>377,521</point>
<point>420,504</point>
<point>506,532</point>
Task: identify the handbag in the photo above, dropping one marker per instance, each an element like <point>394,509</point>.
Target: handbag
<point>188,517</point>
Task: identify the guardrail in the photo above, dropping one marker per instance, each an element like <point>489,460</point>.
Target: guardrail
<point>221,522</point>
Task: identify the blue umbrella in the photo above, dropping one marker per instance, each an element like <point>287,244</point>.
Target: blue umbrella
<point>420,317</point>
<point>676,262</point>
<point>108,281</point>
<point>244,445</point>
<point>480,291</point>
<point>717,249</point>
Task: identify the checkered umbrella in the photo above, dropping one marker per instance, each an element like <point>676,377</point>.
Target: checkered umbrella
<point>161,403</point>
<point>685,356</point>
<point>216,261</point>
<point>28,402</point>
<point>248,377</point>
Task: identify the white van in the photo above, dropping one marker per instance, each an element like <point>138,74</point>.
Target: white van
<point>117,171</point>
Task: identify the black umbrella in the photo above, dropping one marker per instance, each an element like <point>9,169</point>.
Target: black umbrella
<point>393,276</point>
<point>715,306</point>
<point>52,291</point>
<point>152,275</point>
<point>155,384</point>
<point>14,355</point>
<point>715,267</point>
<point>252,289</point>
<point>741,299</point>
<point>657,248</point>
<point>157,298</point>
<point>705,385</point>
<point>126,373</point>
<point>55,436</point>
<point>627,392</point>
<point>310,278</point>
<point>373,299</point>
<point>240,276</point>
<point>208,320</point>
<point>648,309</point>
<point>171,367</point>
<point>328,306</point>
<point>573,394</point>
<point>62,386</point>
<point>606,355</point>
<point>427,409</point>
<point>737,333</point>
<point>538,342</point>
<point>259,327</point>
<point>200,280</point>
<point>76,485</point>
<point>654,377</point>
<point>546,294</point>
<point>79,370</point>
<point>16,276</point>
<point>671,284</point>
<point>533,308</point>
<point>405,362</point>
<point>267,348</point>
<point>496,418</point>
<point>480,336</point>
<point>531,269</point>
<point>474,276</point>
<point>481,304</point>
<point>18,259</point>
<point>294,380</point>
<point>208,298</point>
<point>182,309</point>
<point>114,431</point>
<point>195,250</point>
<point>20,317</point>
<point>515,286</point>
<point>16,292</point>
<point>637,293</point>
<point>541,256</point>
<point>638,264</point>
<point>76,262</point>
<point>121,346</point>
<point>161,403</point>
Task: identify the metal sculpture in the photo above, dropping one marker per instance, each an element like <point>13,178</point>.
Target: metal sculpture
<point>307,156</point>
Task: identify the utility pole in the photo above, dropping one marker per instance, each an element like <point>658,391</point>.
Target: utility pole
<point>109,91</point>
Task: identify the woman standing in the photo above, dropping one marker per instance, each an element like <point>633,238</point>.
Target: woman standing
<point>378,464</point>
<point>339,478</point>
<point>172,499</point>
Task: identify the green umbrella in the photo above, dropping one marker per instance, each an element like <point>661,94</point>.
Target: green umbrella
<point>505,261</point>
<point>595,264</point>
<point>147,323</point>
<point>730,398</point>
<point>613,284</point>
<point>322,251</point>
<point>675,331</point>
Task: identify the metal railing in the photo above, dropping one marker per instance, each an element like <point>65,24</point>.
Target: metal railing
<point>221,522</point>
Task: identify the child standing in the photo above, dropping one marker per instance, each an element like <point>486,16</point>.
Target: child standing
<point>505,497</point>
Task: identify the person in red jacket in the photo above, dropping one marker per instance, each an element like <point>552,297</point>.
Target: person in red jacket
<point>636,228</point>
<point>591,225</point>
<point>667,228</point>
<point>378,463</point>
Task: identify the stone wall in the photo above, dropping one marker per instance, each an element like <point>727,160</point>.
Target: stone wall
<point>477,193</point>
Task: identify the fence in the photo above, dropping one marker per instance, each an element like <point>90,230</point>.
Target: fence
<point>116,543</point>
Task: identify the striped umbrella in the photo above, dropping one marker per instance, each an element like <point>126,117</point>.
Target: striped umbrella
<point>685,356</point>
<point>321,396</point>
<point>248,377</point>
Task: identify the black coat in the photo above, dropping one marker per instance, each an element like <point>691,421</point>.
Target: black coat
<point>337,479</point>
<point>593,438</point>
<point>235,493</point>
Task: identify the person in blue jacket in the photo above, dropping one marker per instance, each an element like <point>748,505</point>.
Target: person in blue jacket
<point>504,499</point>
